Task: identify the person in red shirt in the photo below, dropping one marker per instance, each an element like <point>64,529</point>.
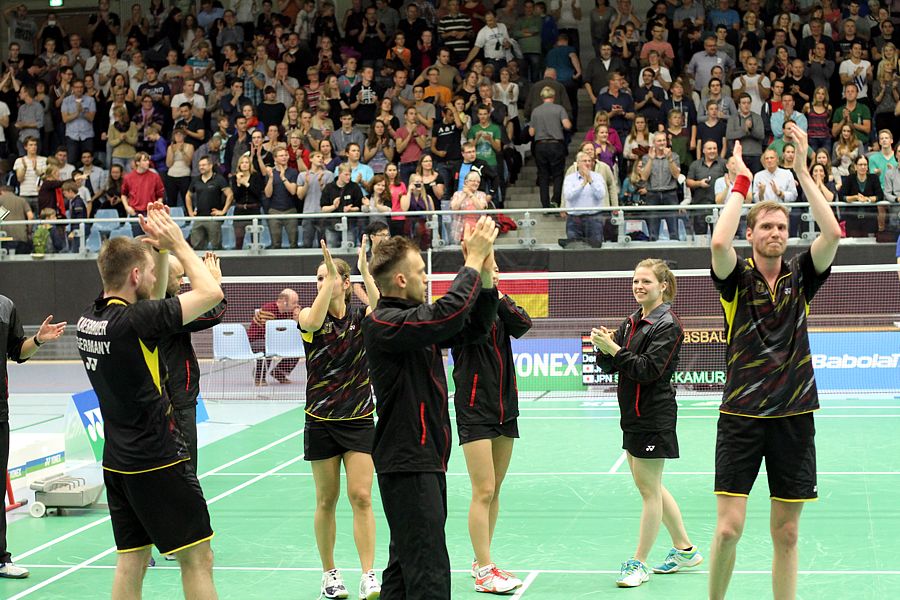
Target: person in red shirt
<point>139,188</point>
<point>286,306</point>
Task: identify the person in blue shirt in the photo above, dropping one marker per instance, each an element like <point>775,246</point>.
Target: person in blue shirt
<point>564,58</point>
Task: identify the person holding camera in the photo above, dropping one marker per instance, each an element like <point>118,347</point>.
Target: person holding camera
<point>494,39</point>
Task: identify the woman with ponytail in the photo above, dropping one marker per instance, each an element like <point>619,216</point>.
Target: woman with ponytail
<point>644,351</point>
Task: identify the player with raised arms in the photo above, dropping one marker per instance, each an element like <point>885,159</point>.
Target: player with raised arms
<point>340,424</point>
<point>153,493</point>
<point>770,388</point>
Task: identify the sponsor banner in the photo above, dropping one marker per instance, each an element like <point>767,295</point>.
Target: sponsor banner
<point>861,360</point>
<point>36,464</point>
<point>701,362</point>
<point>88,408</point>
<point>843,361</point>
<point>543,364</point>
<point>87,405</point>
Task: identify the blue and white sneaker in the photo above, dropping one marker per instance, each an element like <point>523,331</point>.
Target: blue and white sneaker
<point>679,559</point>
<point>333,585</point>
<point>633,574</point>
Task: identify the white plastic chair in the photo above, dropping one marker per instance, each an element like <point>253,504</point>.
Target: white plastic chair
<point>230,342</point>
<point>283,339</point>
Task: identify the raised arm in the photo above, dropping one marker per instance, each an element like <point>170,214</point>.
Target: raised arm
<point>824,248</point>
<point>311,318</point>
<point>362,263</point>
<point>164,234</point>
<point>724,258</point>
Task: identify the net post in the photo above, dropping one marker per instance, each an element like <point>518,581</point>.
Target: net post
<point>255,230</point>
<point>11,499</point>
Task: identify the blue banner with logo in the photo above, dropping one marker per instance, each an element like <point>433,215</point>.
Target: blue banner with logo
<point>860,360</point>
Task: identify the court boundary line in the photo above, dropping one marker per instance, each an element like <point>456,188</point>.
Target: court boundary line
<point>101,520</point>
<point>619,461</point>
<point>158,567</point>
<point>529,579</point>
<point>590,473</point>
<point>75,568</point>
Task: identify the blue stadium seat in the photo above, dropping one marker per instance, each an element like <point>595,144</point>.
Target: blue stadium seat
<point>106,213</point>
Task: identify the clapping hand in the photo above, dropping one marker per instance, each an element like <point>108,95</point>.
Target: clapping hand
<point>49,331</point>
<point>602,338</point>
<point>211,262</point>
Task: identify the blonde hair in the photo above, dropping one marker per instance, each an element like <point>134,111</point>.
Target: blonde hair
<point>663,274</point>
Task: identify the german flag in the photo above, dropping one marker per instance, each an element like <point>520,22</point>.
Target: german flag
<point>533,295</point>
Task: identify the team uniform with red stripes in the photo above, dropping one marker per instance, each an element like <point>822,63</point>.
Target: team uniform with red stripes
<point>403,341</point>
<point>645,364</point>
<point>484,373</point>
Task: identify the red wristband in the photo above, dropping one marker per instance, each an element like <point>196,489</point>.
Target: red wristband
<point>741,185</point>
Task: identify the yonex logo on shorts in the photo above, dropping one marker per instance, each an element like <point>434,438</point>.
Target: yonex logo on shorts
<point>650,449</point>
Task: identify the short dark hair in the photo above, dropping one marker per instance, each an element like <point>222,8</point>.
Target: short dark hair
<point>375,227</point>
<point>118,256</point>
<point>387,258</point>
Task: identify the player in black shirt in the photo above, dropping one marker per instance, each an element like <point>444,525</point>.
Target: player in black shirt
<point>153,493</point>
<point>403,339</point>
<point>770,388</point>
<point>15,346</point>
<point>340,415</point>
<point>183,383</point>
<point>644,352</point>
<point>487,410</point>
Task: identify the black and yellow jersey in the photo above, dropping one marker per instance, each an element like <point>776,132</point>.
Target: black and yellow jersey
<point>119,345</point>
<point>337,373</point>
<point>769,366</point>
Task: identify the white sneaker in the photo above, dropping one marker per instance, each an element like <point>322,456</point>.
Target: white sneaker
<point>369,588</point>
<point>492,580</point>
<point>633,574</point>
<point>12,571</point>
<point>333,585</point>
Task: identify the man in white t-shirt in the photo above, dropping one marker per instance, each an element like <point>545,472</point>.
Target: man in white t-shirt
<point>29,170</point>
<point>494,39</point>
<point>188,94</point>
<point>856,70</point>
<point>754,83</point>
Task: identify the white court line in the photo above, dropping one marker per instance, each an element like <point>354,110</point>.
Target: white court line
<point>582,473</point>
<point>109,551</point>
<point>100,521</point>
<point>527,582</point>
<point>622,458</point>
<point>460,571</point>
<point>715,416</point>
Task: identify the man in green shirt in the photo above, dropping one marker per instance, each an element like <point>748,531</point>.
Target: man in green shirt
<point>487,137</point>
<point>854,114</point>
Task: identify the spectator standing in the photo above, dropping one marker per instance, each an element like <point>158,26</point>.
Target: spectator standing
<point>140,188</point>
<point>660,168</point>
<point>701,178</point>
<point>280,199</point>
<point>585,193</point>
<point>208,196</point>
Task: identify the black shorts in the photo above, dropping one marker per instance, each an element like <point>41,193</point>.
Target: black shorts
<point>473,433</point>
<point>788,445</point>
<point>326,439</point>
<point>650,444</point>
<point>164,507</point>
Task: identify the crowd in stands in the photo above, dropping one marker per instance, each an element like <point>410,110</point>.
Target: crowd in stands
<point>285,107</point>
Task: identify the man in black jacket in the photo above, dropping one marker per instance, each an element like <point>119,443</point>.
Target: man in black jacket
<point>490,182</point>
<point>403,340</point>
<point>183,384</point>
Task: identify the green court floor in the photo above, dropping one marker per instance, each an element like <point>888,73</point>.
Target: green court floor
<point>569,514</point>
